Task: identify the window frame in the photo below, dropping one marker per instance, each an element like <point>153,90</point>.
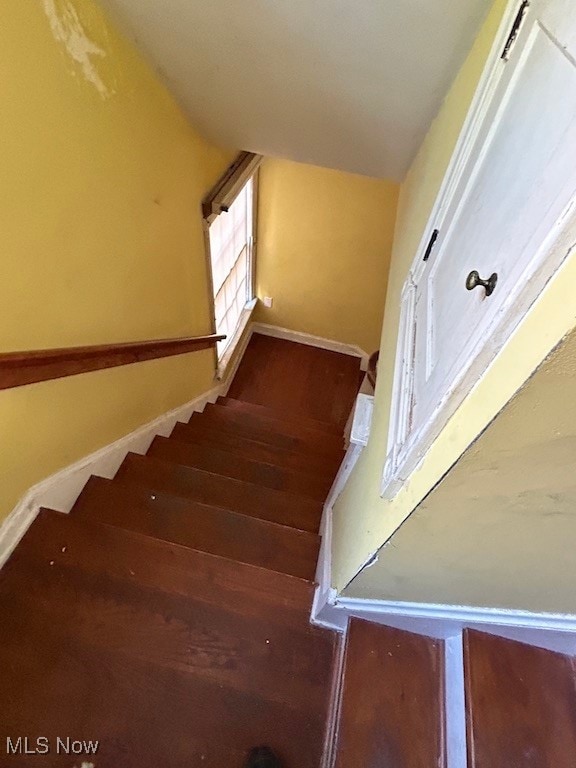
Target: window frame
<point>223,194</point>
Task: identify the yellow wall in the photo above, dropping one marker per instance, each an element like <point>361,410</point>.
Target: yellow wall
<point>499,530</point>
<point>324,245</point>
<point>362,519</point>
<point>100,187</point>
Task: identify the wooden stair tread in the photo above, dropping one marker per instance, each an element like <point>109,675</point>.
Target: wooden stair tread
<point>226,463</point>
<point>199,526</point>
<point>225,492</point>
<point>272,421</point>
<point>265,432</point>
<point>282,415</point>
<point>392,711</point>
<point>308,381</point>
<point>256,450</point>
<point>520,704</point>
<point>168,615</point>
<point>79,542</point>
<point>79,626</point>
<point>144,720</point>
<point>168,631</point>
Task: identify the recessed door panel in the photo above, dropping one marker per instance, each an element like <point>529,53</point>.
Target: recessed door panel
<point>517,187</point>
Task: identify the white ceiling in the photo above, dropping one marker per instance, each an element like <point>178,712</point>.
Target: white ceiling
<point>348,84</point>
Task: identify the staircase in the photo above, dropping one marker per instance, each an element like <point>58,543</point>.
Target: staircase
<point>167,616</point>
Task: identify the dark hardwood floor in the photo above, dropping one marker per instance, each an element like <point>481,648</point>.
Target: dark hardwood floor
<point>520,704</point>
<point>392,712</point>
<point>303,380</point>
<point>167,616</point>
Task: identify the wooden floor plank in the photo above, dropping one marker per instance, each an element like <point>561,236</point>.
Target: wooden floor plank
<point>225,421</point>
<point>309,435</point>
<point>76,542</point>
<point>170,632</point>
<point>54,684</point>
<point>520,702</point>
<point>392,700</point>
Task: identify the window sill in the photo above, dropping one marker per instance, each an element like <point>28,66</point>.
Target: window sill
<point>236,340</point>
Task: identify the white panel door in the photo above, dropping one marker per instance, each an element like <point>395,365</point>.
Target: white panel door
<point>519,183</point>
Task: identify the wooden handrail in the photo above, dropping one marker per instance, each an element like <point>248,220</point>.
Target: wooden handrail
<point>19,368</point>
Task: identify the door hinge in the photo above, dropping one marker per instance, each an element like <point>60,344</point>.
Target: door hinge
<point>431,244</point>
<point>515,29</point>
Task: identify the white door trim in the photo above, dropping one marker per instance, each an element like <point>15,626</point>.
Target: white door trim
<point>406,453</point>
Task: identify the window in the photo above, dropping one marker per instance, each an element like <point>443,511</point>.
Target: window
<point>231,237</point>
<point>229,215</point>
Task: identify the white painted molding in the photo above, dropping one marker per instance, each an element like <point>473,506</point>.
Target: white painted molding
<point>362,420</point>
<point>234,352</point>
<point>469,132</point>
<point>455,702</point>
<point>452,617</point>
<point>313,341</point>
<point>60,490</point>
<point>324,613</point>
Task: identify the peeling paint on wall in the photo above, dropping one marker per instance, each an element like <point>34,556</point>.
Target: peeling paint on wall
<point>68,30</point>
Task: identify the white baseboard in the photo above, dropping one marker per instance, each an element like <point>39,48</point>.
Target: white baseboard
<point>60,490</point>
<point>324,611</point>
<point>313,341</point>
<point>454,616</point>
<point>556,632</point>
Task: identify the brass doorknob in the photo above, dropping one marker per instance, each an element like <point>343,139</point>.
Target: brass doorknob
<point>474,279</point>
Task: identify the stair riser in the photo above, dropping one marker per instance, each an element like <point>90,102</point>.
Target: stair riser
<point>282,427</point>
<point>196,526</point>
<point>257,451</point>
<point>219,423</point>
<point>226,493</point>
<point>75,542</point>
<point>240,405</point>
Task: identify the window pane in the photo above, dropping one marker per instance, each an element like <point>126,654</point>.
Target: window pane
<point>230,235</point>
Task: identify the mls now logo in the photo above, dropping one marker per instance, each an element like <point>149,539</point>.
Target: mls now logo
<point>23,745</point>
